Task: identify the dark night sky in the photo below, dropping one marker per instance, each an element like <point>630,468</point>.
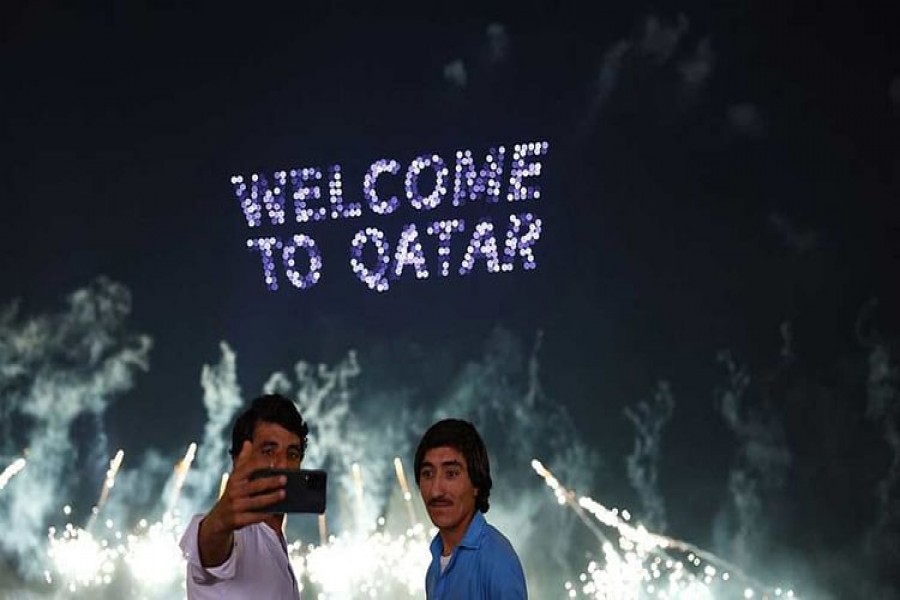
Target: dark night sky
<point>674,229</point>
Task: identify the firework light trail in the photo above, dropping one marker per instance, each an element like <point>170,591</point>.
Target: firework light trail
<point>109,482</point>
<point>647,564</point>
<point>181,471</point>
<point>404,487</point>
<point>11,471</point>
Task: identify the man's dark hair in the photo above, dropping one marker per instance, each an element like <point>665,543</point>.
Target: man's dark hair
<point>271,408</point>
<point>462,436</point>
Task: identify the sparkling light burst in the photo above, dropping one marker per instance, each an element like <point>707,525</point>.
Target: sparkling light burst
<point>384,565</point>
<point>637,563</point>
<point>631,562</point>
<point>79,559</point>
<point>152,553</point>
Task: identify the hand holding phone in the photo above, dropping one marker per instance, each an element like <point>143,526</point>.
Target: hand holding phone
<point>304,490</point>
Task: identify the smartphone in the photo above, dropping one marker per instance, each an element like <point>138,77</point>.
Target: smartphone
<point>304,490</point>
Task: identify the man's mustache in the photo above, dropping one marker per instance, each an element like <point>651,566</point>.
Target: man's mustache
<point>439,501</point>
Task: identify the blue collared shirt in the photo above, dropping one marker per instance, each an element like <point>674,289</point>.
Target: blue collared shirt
<point>484,566</point>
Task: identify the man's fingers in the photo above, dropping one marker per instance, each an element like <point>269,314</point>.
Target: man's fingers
<point>249,498</point>
<point>262,485</point>
<point>247,488</point>
<point>244,455</point>
<point>255,503</point>
<point>249,463</point>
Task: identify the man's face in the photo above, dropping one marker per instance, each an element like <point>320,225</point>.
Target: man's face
<point>281,447</point>
<point>447,490</point>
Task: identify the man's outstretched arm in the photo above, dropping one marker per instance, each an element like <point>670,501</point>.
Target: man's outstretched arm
<point>238,507</point>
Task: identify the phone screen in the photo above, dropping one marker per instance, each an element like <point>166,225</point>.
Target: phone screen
<point>304,490</point>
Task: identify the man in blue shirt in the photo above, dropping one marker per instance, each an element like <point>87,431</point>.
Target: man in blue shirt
<point>471,559</point>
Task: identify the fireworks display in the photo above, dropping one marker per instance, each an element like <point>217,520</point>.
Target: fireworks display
<point>371,562</point>
<point>367,562</point>
<point>374,540</point>
<point>637,563</point>
<point>650,252</point>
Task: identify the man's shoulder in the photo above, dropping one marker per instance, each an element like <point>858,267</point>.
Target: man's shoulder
<point>496,543</point>
<point>501,567</point>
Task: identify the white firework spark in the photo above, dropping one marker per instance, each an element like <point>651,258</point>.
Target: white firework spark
<point>11,471</point>
<point>633,563</point>
<point>642,564</point>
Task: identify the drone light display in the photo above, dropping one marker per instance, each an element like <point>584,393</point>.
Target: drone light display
<point>298,197</point>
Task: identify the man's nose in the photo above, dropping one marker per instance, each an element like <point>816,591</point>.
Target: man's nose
<point>281,460</point>
<point>437,487</point>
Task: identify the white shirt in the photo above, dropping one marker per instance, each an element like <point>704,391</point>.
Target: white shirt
<point>258,567</point>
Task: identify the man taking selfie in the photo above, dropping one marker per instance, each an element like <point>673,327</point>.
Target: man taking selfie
<point>237,551</point>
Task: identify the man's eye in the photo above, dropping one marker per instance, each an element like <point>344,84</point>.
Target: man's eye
<point>295,456</point>
<point>426,474</point>
<point>267,451</point>
<point>452,474</point>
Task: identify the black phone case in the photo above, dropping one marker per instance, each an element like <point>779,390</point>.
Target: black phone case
<point>305,490</point>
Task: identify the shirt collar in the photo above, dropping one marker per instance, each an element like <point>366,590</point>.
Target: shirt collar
<point>472,538</point>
